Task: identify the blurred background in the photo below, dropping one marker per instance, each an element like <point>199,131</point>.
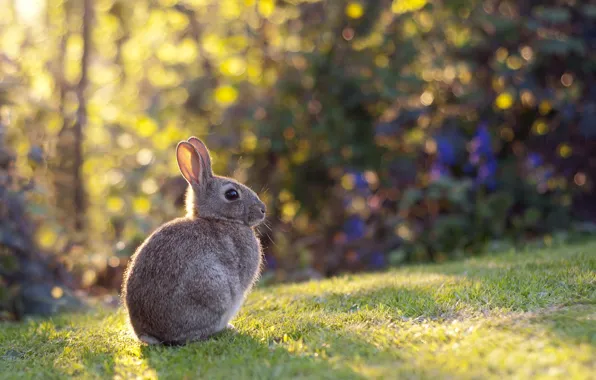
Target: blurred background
<point>378,132</point>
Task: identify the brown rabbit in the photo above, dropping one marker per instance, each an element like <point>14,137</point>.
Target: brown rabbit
<point>190,277</point>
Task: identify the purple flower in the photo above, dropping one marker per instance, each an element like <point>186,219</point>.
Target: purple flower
<point>386,129</point>
<point>354,227</point>
<point>360,181</point>
<point>548,174</point>
<point>377,260</point>
<point>482,140</point>
<point>490,183</point>
<point>491,167</point>
<point>271,262</point>
<point>568,112</point>
<point>474,158</point>
<point>445,151</point>
<point>486,174</point>
<point>438,171</point>
<point>483,158</point>
<point>534,160</point>
<point>347,201</point>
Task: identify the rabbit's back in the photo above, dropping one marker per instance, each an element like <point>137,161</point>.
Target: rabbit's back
<point>190,274</point>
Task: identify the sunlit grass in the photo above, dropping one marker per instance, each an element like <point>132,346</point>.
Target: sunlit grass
<point>523,315</point>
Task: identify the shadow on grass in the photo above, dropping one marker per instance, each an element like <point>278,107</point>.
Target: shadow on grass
<point>399,302</point>
<point>236,355</point>
<point>559,292</point>
<point>576,323</point>
<point>377,343</point>
<point>510,282</point>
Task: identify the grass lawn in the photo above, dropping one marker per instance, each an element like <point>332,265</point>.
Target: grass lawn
<point>518,315</point>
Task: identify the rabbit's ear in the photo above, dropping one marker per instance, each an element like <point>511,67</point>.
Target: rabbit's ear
<point>203,152</point>
<point>189,163</point>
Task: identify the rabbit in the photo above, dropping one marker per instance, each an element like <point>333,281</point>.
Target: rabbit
<point>190,277</point>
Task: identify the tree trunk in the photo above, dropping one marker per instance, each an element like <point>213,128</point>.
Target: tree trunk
<point>81,122</point>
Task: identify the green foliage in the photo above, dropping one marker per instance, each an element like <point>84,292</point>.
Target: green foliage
<point>305,98</point>
<point>516,314</point>
<point>30,282</point>
<point>451,217</point>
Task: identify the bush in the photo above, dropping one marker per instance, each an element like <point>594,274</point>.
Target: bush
<point>31,281</point>
<point>383,131</point>
<point>479,131</point>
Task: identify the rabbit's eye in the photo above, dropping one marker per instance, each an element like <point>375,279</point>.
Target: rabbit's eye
<point>232,195</point>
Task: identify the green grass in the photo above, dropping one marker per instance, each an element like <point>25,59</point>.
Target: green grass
<point>516,315</point>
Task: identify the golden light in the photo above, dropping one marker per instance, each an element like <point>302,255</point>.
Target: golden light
<point>347,181</point>
<point>125,141</point>
<point>424,121</point>
<point>504,101</point>
<point>527,98</point>
<point>89,277</point>
<point>114,261</point>
<point>465,76</point>
<point>358,204</point>
<point>285,196</point>
<point>404,232</point>
<point>114,204</point>
<point>57,292</point>
<point>427,98</point>
<point>449,74</point>
<point>430,146</point>
<point>149,186</point>
<point>29,11</point>
<point>354,10</point>
<point>371,178</point>
<point>565,150</point>
<point>545,107</point>
<point>233,67</point>
<point>540,127</point>
<point>381,60</point>
<point>114,177</point>
<point>144,156</point>
<point>501,54</point>
<point>514,62</point>
<point>141,205</point>
<point>498,84</point>
<point>527,53</point>
<point>289,210</point>
<point>225,95</point>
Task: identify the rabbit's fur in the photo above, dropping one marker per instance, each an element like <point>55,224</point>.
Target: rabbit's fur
<point>190,277</point>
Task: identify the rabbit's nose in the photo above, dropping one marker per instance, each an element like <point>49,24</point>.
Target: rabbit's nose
<point>263,209</point>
